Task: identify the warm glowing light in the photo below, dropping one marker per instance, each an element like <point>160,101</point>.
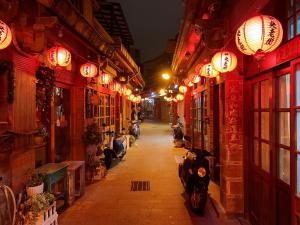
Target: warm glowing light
<point>128,92</point>
<point>224,61</point>
<point>259,34</point>
<point>179,97</point>
<point>131,97</point>
<point>5,35</point>
<point>162,92</point>
<point>188,83</point>
<point>88,70</point>
<point>105,78</point>
<point>195,78</point>
<point>182,89</point>
<point>166,76</point>
<point>59,56</point>
<point>208,71</point>
<point>116,87</point>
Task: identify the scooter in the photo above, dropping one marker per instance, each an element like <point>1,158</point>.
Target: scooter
<point>194,175</point>
<point>178,134</point>
<point>134,129</point>
<point>113,147</point>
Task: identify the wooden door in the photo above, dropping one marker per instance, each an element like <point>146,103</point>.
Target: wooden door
<point>260,193</point>
<point>282,103</point>
<point>62,123</point>
<point>270,151</point>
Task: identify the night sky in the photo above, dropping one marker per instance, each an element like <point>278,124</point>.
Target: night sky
<point>152,23</point>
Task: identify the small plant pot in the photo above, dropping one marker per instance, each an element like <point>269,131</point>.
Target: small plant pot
<point>35,190</point>
<point>38,140</point>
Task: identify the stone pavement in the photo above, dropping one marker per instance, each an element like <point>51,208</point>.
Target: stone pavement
<point>110,201</point>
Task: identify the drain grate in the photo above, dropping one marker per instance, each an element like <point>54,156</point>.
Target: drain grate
<point>140,185</point>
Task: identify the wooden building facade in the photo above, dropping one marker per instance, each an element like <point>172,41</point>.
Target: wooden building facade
<point>38,98</point>
<point>248,118</point>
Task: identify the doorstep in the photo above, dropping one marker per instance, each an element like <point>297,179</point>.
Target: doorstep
<point>214,199</point>
<point>217,209</point>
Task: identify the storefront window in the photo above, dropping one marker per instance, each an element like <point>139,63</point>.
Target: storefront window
<point>284,91</point>
<point>284,128</point>
<point>298,84</point>
<point>265,157</point>
<point>264,94</point>
<point>293,18</point>
<point>284,165</point>
<point>298,130</point>
<point>265,125</point>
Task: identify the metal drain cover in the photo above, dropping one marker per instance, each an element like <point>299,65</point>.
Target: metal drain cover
<point>140,185</point>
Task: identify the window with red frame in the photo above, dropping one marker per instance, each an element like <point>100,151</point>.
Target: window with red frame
<point>293,18</point>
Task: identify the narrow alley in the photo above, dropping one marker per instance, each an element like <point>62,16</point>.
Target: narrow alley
<point>152,158</point>
<point>135,112</point>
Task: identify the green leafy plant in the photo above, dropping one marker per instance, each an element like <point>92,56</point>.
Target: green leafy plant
<point>36,204</point>
<point>92,135</point>
<point>44,92</point>
<point>35,180</point>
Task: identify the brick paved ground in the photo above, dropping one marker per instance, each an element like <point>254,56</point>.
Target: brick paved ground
<point>110,201</point>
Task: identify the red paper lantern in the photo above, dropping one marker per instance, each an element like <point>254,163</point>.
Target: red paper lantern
<point>224,61</point>
<point>88,70</point>
<point>208,71</point>
<point>128,92</point>
<point>59,56</point>
<point>105,78</point>
<point>179,97</point>
<point>259,34</point>
<point>182,89</point>
<point>195,78</point>
<point>5,35</point>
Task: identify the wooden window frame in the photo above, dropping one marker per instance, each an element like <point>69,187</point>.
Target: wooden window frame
<point>293,16</point>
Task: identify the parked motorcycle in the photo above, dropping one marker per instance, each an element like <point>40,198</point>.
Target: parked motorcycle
<point>113,147</point>
<point>134,129</point>
<point>178,134</point>
<point>194,175</point>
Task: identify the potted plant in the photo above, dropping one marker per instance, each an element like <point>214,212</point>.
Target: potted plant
<point>39,138</point>
<point>35,205</point>
<point>35,184</point>
<point>91,137</point>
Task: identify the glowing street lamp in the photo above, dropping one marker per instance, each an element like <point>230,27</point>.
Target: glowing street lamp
<point>166,76</point>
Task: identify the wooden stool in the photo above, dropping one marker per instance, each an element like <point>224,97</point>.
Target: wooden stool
<point>74,166</point>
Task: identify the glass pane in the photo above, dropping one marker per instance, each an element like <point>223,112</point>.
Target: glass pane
<point>265,125</point>
<point>256,153</point>
<point>284,128</point>
<point>284,91</point>
<point>256,124</point>
<point>284,165</point>
<point>265,157</point>
<point>264,94</point>
<point>298,24</point>
<point>291,28</point>
<point>298,84</point>
<point>298,131</point>
<point>298,175</point>
<point>256,96</point>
